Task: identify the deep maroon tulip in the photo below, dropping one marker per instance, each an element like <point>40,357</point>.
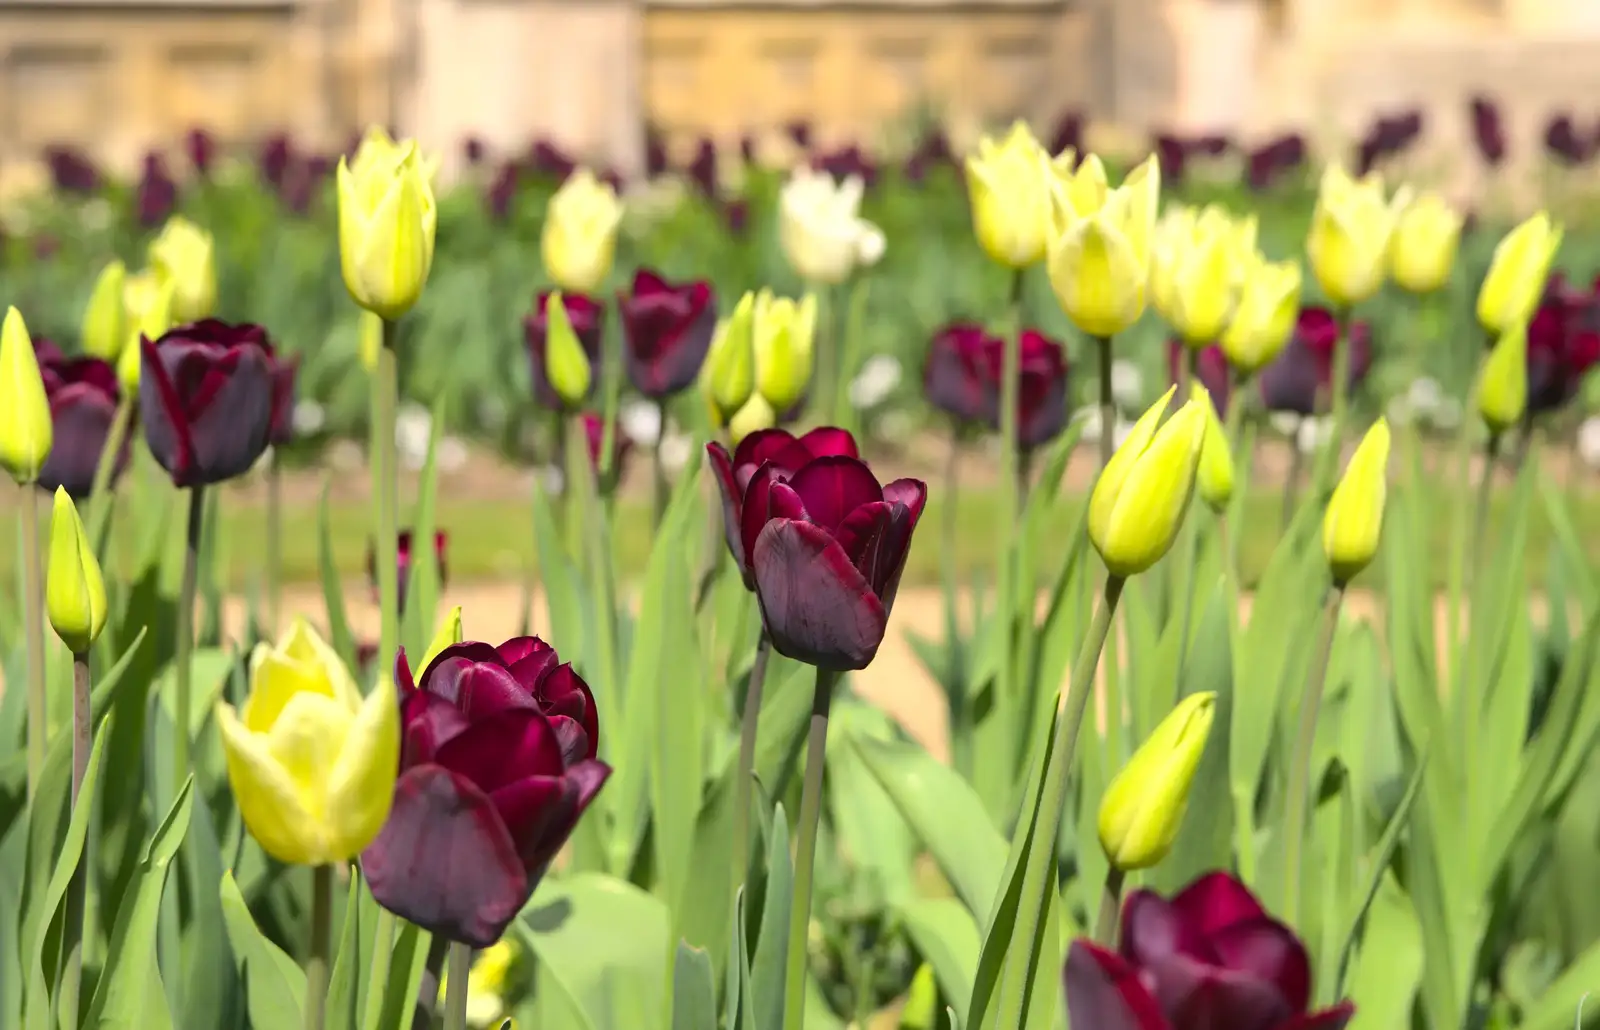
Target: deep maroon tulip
<point>550,160</point>
<point>1304,371</point>
<point>1172,154</point>
<point>747,149</point>
<point>1368,154</point>
<point>497,764</point>
<point>585,314</point>
<point>502,191</point>
<point>157,194</point>
<point>70,170</point>
<point>1212,144</point>
<point>667,328</point>
<point>963,374</point>
<point>273,162</point>
<point>1068,133</point>
<point>46,353</point>
<point>83,396</point>
<point>1210,367</point>
<point>594,438</point>
<point>403,557</point>
<point>1211,958</point>
<point>826,545</point>
<point>736,215</point>
<point>775,446</point>
<point>201,147</point>
<point>1488,130</point>
<point>702,169</point>
<point>1564,143</point>
<point>206,399</point>
<point>656,161</point>
<point>1269,162</point>
<point>474,150</point>
<point>953,375</point>
<point>1563,345</point>
<point>800,132</point>
<point>847,161</point>
<point>284,370</point>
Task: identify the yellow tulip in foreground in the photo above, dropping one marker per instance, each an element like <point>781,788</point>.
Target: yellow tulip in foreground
<point>75,595</point>
<point>1215,475</point>
<point>1350,230</point>
<point>1143,492</point>
<point>566,366</point>
<point>387,222</point>
<point>1423,251</point>
<point>1503,389</point>
<point>104,331</point>
<point>312,765</point>
<point>1264,318</point>
<point>1353,523</point>
<point>1142,810</point>
<point>1008,182</point>
<point>782,334</point>
<point>25,427</point>
<point>1517,274</point>
<point>377,147</point>
<point>1099,257</point>
<point>728,377</point>
<point>580,232</point>
<point>183,254</point>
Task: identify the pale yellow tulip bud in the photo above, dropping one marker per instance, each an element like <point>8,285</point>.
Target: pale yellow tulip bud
<point>729,375</point>
<point>387,223</point>
<point>756,414</point>
<point>183,254</point>
<point>26,431</point>
<point>1142,494</point>
<point>782,336</point>
<point>1097,271</point>
<point>1264,319</point>
<point>566,366</point>
<point>1503,388</point>
<point>1348,245</point>
<point>104,329</point>
<point>1354,520</point>
<point>1143,808</point>
<point>1008,182</point>
<point>579,239</point>
<point>1517,273</point>
<point>1214,479</point>
<point>1423,252</point>
<point>75,592</point>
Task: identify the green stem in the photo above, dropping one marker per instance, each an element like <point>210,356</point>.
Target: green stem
<point>33,614</point>
<point>78,888</point>
<point>1183,572</point>
<point>805,853</point>
<point>611,394</point>
<point>100,497</point>
<point>747,758</point>
<point>849,347</point>
<point>1327,466</point>
<point>1006,598</point>
<point>274,546</point>
<point>1108,404</point>
<point>455,986</point>
<point>1297,804</point>
<point>1039,877</point>
<point>1244,813</point>
<point>1105,927</point>
<point>183,701</point>
<point>1291,483</point>
<point>378,973</point>
<point>385,476</point>
<point>317,970</point>
<point>1108,447</point>
<point>955,671</point>
<point>658,467</point>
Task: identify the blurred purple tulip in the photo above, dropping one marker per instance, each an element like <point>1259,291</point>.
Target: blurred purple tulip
<point>206,400</point>
<point>1488,130</point>
<point>736,215</point>
<point>656,161</point>
<point>501,195</point>
<point>157,194</point>
<point>747,149</point>
<point>474,150</point>
<point>1172,154</point>
<point>1564,143</point>
<point>1210,368</point>
<point>549,160</point>
<point>1274,159</point>
<point>405,558</point>
<point>962,376</point>
<point>586,315</point>
<point>702,169</point>
<point>285,369</point>
<point>277,152</point>
<point>1068,133</point>
<point>71,171</point>
<point>1563,345</point>
<point>1303,373</point>
<point>799,132</point>
<point>847,161</point>
<point>201,148</point>
<point>594,439</point>
<point>953,374</point>
<point>83,395</point>
<point>667,330</point>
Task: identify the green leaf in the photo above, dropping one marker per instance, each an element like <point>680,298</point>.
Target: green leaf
<point>339,635</point>
<point>1389,969</point>
<point>422,586</point>
<point>342,1011</point>
<point>616,980</point>
<point>408,961</point>
<point>738,998</point>
<point>275,987</point>
<point>694,993</point>
<point>772,944</point>
<point>874,844</point>
<point>947,937</point>
<point>211,986</point>
<point>1559,1007</point>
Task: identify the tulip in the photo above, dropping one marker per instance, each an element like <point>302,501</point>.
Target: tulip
<point>183,253</point>
<point>826,546</point>
<point>498,764</point>
<point>1561,350</point>
<point>1008,182</point>
<point>668,330</point>
<point>403,545</point>
<point>953,375</point>
<point>1354,519</point>
<point>1142,810</point>
<point>1503,388</point>
<point>1210,957</point>
<point>387,222</point>
<point>1139,500</point>
<point>75,597</point>
<point>594,433</point>
<point>580,233</point>
<point>156,195</point>
<point>1264,319</point>
<point>585,317</point>
<point>149,317</point>
<point>83,394</point>
<point>1488,130</point>
<point>1517,273</point>
<point>1041,392</point>
<point>201,147</point>
<point>756,415</point>
<point>1350,231</point>
<point>1100,249</point>
<point>728,377</point>
<point>820,230</point>
<point>1199,262</point>
<point>25,426</point>
<point>787,453</point>
<point>566,367</point>
<point>781,338</point>
<point>1423,251</point>
<point>312,765</point>
<point>1303,372</point>
<point>104,331</point>
<point>1214,478</point>
<point>206,400</point>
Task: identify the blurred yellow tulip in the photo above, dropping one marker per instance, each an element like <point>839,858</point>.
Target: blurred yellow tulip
<point>1008,182</point>
<point>1503,387</point>
<point>783,332</point>
<point>756,414</point>
<point>580,232</point>
<point>1422,253</point>
<point>1099,256</point>
<point>1353,523</point>
<point>1348,245</point>
<point>1214,480</point>
<point>1143,808</point>
<point>1142,494</point>
<point>1264,319</point>
<point>1517,273</point>
<point>387,222</point>
<point>184,254</point>
<point>26,431</point>
<point>153,320</point>
<point>75,592</point>
<point>1198,264</point>
<point>566,365</point>
<point>104,331</point>
<point>728,377</point>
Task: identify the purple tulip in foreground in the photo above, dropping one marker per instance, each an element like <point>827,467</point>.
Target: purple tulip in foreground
<point>1210,957</point>
<point>667,328</point>
<point>497,764</point>
<point>206,399</point>
<point>83,394</point>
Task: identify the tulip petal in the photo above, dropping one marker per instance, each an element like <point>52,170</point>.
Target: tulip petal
<point>543,811</point>
<point>1267,949</point>
<point>1194,994</point>
<point>166,430</point>
<point>1152,929</point>
<point>445,860</point>
<point>479,689</point>
<point>832,487</point>
<point>761,446</point>
<point>1104,992</point>
<point>732,495</point>
<point>275,680</point>
<point>307,645</point>
<point>269,802</point>
<point>360,786</point>
<point>825,441</point>
<point>565,699</point>
<point>429,721</point>
<point>913,493</point>
<point>306,739</point>
<point>1214,902</point>
<point>817,606</point>
<point>503,748</point>
<point>757,506</point>
<point>519,648</point>
<point>1333,1018</point>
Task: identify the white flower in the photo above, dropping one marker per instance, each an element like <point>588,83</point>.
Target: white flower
<point>1425,395</point>
<point>309,417</point>
<point>876,380</point>
<point>822,234</point>
<point>1127,384</point>
<point>1285,423</point>
<point>1089,415</point>
<point>640,421</point>
<point>870,245</point>
<point>1314,432</point>
<point>1400,409</point>
<point>1446,414</point>
<point>413,426</point>
<point>1589,441</point>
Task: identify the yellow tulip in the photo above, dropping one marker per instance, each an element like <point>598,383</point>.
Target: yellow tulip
<point>1423,251</point>
<point>1214,479</point>
<point>153,320</point>
<point>1008,182</point>
<point>448,634</point>
<point>1517,273</point>
<point>921,1010</point>
<point>728,377</point>
<point>312,765</point>
<point>1142,494</point>
<point>183,253</point>
<point>104,329</point>
<point>756,414</point>
<point>1198,264</point>
<point>387,223</point>
<point>378,147</point>
<point>1349,241</point>
<point>1143,808</point>
<point>1354,519</point>
<point>566,365</point>
<point>782,333</point>
<point>820,230</point>
<point>75,594</point>
<point>1503,389</point>
<point>1264,319</point>
<point>1100,253</point>
<point>26,431</point>
<point>580,232</point>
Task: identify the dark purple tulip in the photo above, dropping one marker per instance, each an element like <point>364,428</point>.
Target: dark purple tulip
<point>1563,345</point>
<point>702,170</point>
<point>747,149</point>
<point>774,446</point>
<point>1172,154</point>
<point>934,150</point>
<point>550,160</point>
<point>1488,130</point>
<point>1212,144</point>
<point>46,353</point>
<point>83,396</point>
<point>736,215</point>
<point>800,132</point>
<point>1274,159</point>
<point>1210,367</point>
<point>70,170</point>
<point>847,161</point>
<point>319,166</point>
<point>585,314</point>
<point>1303,373</point>
<point>502,192</point>
<point>277,152</point>
<point>206,400</point>
<point>474,150</point>
<point>963,374</point>
<point>1368,154</point>
<point>594,438</point>
<point>953,374</point>
<point>656,160</point>
<point>404,558</point>
<point>284,370</point>
<point>201,147</point>
<point>298,187</point>
<point>1211,958</point>
<point>667,328</point>
<point>1564,143</point>
<point>1068,133</point>
<point>613,178</point>
<point>497,764</point>
<point>826,547</point>
<point>157,193</point>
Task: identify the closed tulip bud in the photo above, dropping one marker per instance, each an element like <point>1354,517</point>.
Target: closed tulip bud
<point>1423,251</point>
<point>1264,319</point>
<point>448,633</point>
<point>729,376</point>
<point>782,332</point>
<point>75,595</point>
<point>25,426</point>
<point>1008,182</point>
<point>1354,520</point>
<point>104,329</point>
<point>387,222</point>
<point>371,340</point>
<point>580,233</point>
<point>1214,479</point>
<point>1097,273</point>
<point>1142,810</point>
<point>922,1002</point>
<point>565,364</point>
<point>1517,274</point>
<point>183,254</point>
<point>312,764</point>
<point>1141,496</point>
<point>1349,240</point>
<point>1503,389</point>
<point>757,414</point>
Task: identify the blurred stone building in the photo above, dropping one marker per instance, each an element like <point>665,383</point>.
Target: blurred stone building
<point>120,76</point>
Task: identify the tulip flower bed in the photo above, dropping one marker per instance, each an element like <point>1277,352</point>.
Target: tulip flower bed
<point>1166,806</point>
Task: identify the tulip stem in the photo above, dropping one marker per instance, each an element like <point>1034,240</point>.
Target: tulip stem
<point>385,476</point>
<point>1291,484</point>
<point>658,467</point>
<point>805,853</point>
<point>1108,403</point>
<point>1105,927</point>
<point>747,758</point>
<point>317,958</point>
<point>100,491</point>
<point>274,545</point>
<point>78,888</point>
<point>33,612</point>
<point>1006,691</point>
<point>1297,803</point>
<point>183,702</point>
<point>955,669</point>
<point>378,974</point>
<point>1328,457</point>
<point>455,986</point>
<point>1244,801</point>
